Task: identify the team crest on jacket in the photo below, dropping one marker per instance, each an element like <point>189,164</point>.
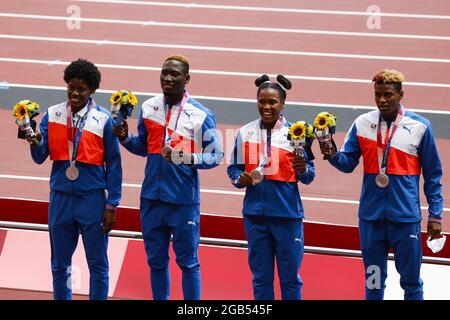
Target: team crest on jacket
<point>156,108</point>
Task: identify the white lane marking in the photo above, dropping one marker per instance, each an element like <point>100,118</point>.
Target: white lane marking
<point>173,46</point>
<point>210,191</point>
<point>270,9</point>
<point>220,72</point>
<point>228,27</point>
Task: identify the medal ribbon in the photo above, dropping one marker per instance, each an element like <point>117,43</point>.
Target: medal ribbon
<point>383,157</point>
<point>268,143</point>
<point>75,137</point>
<point>168,111</point>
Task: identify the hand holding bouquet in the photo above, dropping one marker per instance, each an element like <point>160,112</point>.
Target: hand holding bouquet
<point>122,104</point>
<point>24,111</point>
<point>298,133</point>
<point>324,128</point>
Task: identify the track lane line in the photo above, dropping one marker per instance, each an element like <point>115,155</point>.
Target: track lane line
<point>208,191</point>
<point>222,49</point>
<point>269,9</point>
<point>226,27</point>
<point>218,72</point>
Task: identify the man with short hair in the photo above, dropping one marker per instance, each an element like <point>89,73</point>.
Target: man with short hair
<point>396,145</point>
<point>178,136</point>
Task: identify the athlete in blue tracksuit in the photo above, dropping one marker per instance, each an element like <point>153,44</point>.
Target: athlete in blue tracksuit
<point>170,195</point>
<point>85,180</point>
<point>396,145</point>
<point>272,210</point>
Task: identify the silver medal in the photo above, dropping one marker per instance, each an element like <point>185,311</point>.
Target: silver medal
<point>257,175</point>
<point>382,180</point>
<point>72,173</point>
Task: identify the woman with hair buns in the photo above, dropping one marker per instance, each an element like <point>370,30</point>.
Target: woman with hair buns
<point>273,211</point>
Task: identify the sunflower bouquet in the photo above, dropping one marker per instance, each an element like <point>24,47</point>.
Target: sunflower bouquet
<point>299,134</point>
<point>122,104</point>
<point>24,111</point>
<point>324,128</point>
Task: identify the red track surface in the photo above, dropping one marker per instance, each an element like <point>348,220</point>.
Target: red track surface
<point>235,86</point>
<point>247,62</point>
<point>11,294</point>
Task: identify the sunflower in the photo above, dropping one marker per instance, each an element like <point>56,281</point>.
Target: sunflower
<point>25,107</point>
<point>116,97</point>
<point>132,99</point>
<point>20,110</point>
<point>323,120</point>
<point>298,130</point>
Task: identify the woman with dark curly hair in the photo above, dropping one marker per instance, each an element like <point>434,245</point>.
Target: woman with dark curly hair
<point>85,181</point>
<point>264,162</point>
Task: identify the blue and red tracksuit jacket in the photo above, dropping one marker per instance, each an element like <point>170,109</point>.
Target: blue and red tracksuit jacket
<point>195,133</point>
<point>98,157</point>
<point>278,194</point>
<point>413,151</point>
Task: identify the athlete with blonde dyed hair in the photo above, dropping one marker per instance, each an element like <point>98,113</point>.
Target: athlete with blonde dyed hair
<point>179,58</point>
<point>171,128</point>
<point>389,76</point>
<point>397,145</point>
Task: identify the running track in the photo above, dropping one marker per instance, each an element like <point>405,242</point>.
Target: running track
<point>326,48</point>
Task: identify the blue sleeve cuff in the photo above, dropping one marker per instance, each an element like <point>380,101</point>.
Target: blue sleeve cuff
<point>110,207</point>
<point>236,183</point>
<point>304,173</point>
<point>126,140</point>
<point>38,145</point>
<point>434,219</point>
